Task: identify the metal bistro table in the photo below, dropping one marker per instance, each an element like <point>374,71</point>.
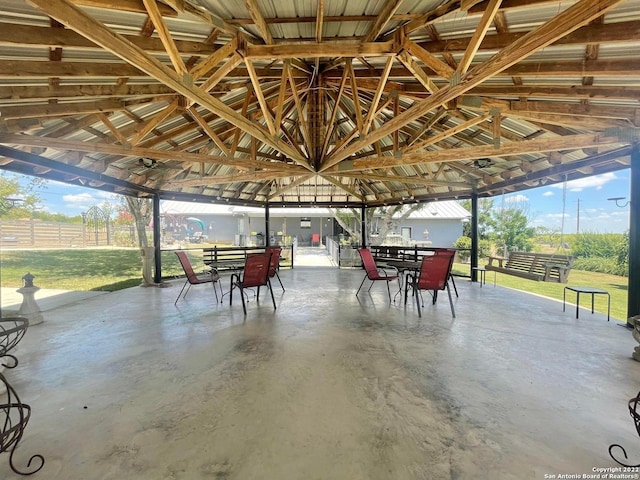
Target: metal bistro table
<point>402,266</point>
<point>589,290</point>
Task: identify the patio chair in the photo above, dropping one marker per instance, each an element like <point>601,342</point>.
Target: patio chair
<point>255,274</point>
<point>434,275</point>
<point>275,263</point>
<point>315,239</point>
<point>374,273</point>
<point>210,276</point>
<point>448,251</point>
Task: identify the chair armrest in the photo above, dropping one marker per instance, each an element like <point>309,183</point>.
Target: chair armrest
<point>388,267</point>
<point>499,259</point>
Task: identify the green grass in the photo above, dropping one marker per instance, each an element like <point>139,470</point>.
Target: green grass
<point>82,269</point>
<point>615,285</point>
<point>114,269</point>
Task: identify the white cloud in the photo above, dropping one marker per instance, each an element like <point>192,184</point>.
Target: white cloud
<point>596,181</point>
<point>517,199</point>
<point>548,193</point>
<point>80,200</point>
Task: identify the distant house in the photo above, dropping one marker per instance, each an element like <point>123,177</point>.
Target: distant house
<point>438,224</point>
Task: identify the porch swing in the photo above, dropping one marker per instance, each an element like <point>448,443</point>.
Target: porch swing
<point>541,267</point>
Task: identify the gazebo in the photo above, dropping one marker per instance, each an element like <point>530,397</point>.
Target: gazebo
<point>357,104</point>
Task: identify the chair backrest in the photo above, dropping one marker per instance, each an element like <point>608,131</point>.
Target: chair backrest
<point>368,261</point>
<point>256,270</point>
<point>275,259</point>
<point>435,270</point>
<point>315,237</point>
<point>186,266</point>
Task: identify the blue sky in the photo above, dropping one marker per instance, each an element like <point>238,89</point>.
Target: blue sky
<point>587,196</point>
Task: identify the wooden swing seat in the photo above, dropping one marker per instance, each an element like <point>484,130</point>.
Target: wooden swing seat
<point>542,267</point>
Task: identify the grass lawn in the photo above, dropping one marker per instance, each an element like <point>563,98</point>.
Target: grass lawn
<point>102,269</point>
<point>113,269</point>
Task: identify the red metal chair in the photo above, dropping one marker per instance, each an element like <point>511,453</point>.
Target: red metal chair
<point>447,251</point>
<point>275,263</point>
<point>315,239</point>
<point>434,274</point>
<point>255,274</point>
<point>196,279</point>
<point>374,273</point>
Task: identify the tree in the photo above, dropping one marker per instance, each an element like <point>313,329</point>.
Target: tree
<point>17,200</point>
<point>485,206</point>
<point>510,227</point>
<point>380,220</point>
<point>142,211</point>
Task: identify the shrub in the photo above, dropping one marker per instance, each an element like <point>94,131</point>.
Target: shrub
<point>484,248</point>
<point>601,265</point>
<point>604,245</point>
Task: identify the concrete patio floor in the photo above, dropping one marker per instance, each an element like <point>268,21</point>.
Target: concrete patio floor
<point>126,385</point>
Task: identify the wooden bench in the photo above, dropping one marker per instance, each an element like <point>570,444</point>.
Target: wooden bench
<point>542,267</point>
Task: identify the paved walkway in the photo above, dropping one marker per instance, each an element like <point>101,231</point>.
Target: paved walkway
<point>47,299</point>
<point>313,257</point>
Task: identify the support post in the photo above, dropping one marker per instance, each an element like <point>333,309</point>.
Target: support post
<point>363,225</point>
<point>267,240</point>
<point>633,292</point>
<point>157,277</point>
<point>474,237</point>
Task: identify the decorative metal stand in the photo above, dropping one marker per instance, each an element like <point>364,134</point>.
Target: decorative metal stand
<point>14,414</point>
<point>633,411</point>
<point>12,330</point>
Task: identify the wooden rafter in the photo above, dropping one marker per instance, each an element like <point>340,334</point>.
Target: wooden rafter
<point>567,21</point>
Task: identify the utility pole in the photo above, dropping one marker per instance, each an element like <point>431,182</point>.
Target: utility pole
<point>578,217</point>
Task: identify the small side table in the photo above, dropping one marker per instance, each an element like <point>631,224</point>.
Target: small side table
<point>589,290</point>
<point>482,276</point>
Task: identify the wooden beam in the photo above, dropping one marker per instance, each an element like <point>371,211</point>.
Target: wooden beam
<point>132,151</point>
<point>570,19</point>
<point>319,20</point>
<point>315,50</point>
<point>472,122</point>
<point>257,90</point>
<point>60,109</point>
<point>293,184</point>
<point>417,71</point>
<point>209,131</point>
<point>618,32</point>
<point>154,122</point>
<point>377,95</point>
<point>481,30</point>
<point>165,36</point>
<point>430,60</point>
<point>281,94</point>
<point>571,142</point>
<point>214,59</point>
<point>550,91</point>
<point>113,129</point>
<point>135,6</point>
<point>87,26</point>
<point>258,19</point>
<point>207,180</point>
<point>432,15</point>
<point>386,14</point>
